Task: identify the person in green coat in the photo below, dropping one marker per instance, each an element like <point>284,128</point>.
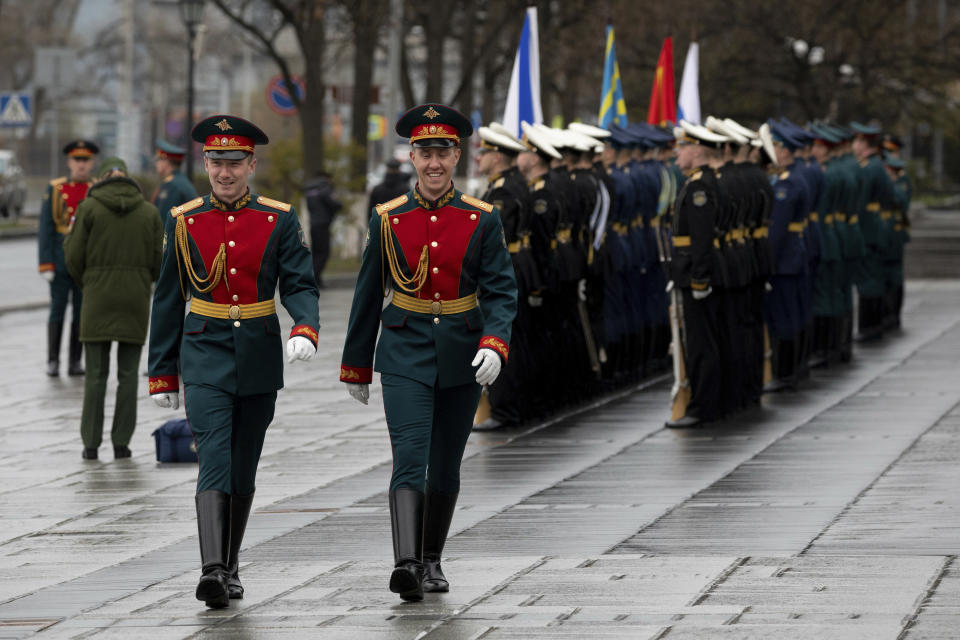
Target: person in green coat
<point>113,253</point>
<point>175,188</point>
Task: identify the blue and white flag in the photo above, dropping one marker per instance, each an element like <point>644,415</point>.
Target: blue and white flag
<point>523,98</point>
<point>613,109</point>
<point>688,104</point>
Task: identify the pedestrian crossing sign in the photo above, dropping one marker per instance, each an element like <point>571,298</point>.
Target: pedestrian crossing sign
<point>15,110</point>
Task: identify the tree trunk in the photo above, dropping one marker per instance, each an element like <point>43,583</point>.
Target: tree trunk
<point>367,18</point>
<point>311,110</point>
<point>467,45</point>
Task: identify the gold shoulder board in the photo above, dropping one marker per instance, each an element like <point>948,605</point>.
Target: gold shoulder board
<point>168,178</point>
<point>275,204</point>
<point>539,185</point>
<point>60,180</point>
<point>186,206</point>
<point>477,202</point>
<point>499,183</point>
<point>391,205</point>
<point>697,175</point>
<point>784,175</point>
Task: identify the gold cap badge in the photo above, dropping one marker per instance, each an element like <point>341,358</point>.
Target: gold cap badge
<point>431,113</point>
<point>223,125</point>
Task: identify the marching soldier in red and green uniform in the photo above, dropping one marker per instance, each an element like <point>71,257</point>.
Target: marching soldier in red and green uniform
<point>60,203</point>
<point>443,257</point>
<point>175,188</point>
<point>226,254</point>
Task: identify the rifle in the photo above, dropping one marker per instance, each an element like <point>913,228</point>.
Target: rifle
<point>588,336</point>
<point>767,356</point>
<point>680,393</point>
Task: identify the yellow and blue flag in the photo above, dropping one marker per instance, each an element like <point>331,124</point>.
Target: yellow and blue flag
<point>613,109</point>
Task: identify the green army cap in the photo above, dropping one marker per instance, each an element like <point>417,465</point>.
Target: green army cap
<point>864,129</point>
<point>228,137</point>
<point>434,125</point>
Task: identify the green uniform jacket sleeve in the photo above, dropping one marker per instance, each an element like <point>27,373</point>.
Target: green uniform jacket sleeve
<point>497,286</point>
<point>296,282</point>
<point>166,319</point>
<point>356,364</point>
<point>46,233</point>
<point>75,244</point>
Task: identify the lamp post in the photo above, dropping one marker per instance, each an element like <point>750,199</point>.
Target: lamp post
<point>191,12</point>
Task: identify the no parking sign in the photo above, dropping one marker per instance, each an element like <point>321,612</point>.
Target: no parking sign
<point>278,95</point>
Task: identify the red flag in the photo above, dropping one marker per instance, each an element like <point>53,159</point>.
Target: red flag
<point>663,103</point>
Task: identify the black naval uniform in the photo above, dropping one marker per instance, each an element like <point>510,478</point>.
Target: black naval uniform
<point>693,268</point>
<point>509,393</point>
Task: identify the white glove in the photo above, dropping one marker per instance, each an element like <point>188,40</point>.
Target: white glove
<point>669,286</point>
<point>767,287</point>
<point>48,275</point>
<point>489,361</point>
<point>582,289</point>
<point>534,301</point>
<point>359,392</point>
<point>167,400</point>
<point>299,348</point>
<point>700,295</point>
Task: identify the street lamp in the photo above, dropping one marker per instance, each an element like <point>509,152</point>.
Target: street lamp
<point>191,12</point>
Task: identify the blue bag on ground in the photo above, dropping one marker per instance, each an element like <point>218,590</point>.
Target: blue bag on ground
<point>175,442</point>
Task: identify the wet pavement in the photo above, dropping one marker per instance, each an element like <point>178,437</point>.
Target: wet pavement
<point>831,512</point>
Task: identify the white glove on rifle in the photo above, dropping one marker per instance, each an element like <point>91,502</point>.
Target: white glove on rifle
<point>359,391</point>
<point>167,400</point>
<point>534,301</point>
<point>582,289</point>
<point>700,295</point>
<point>48,275</point>
<point>489,362</point>
<point>299,348</point>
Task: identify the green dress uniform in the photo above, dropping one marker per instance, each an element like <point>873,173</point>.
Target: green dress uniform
<point>453,292</point>
<point>174,190</point>
<point>228,261</point>
<point>60,203</point>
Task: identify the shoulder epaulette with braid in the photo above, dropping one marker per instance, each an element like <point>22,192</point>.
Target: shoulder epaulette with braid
<point>186,206</point>
<point>477,202</point>
<point>274,204</point>
<point>390,205</point>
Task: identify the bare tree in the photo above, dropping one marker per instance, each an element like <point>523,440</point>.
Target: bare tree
<point>265,21</point>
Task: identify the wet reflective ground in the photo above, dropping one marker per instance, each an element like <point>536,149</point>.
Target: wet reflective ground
<point>832,512</point>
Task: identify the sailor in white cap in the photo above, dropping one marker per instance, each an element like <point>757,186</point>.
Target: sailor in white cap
<point>694,271</point>
<point>507,189</point>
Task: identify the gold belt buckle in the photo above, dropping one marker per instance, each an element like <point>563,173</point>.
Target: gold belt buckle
<point>436,307</point>
<point>234,312</point>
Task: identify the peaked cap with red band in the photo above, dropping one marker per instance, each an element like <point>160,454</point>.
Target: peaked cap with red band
<point>170,151</point>
<point>81,149</point>
<point>434,125</point>
<point>228,137</point>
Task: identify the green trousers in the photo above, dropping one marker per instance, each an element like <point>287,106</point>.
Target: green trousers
<point>95,390</point>
<point>429,428</point>
<point>230,430</point>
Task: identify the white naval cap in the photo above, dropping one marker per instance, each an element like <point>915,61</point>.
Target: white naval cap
<point>537,141</point>
<point>496,127</point>
<point>719,126</point>
<point>766,139</point>
<point>690,133</point>
<point>589,130</point>
<point>490,139</point>
<point>739,128</point>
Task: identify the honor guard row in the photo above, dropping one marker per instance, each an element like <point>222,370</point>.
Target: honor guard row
<point>758,235</point>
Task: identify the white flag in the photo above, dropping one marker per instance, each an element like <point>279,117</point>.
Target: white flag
<point>688,105</point>
<point>523,97</point>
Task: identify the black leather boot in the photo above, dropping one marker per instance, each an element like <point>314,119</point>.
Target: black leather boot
<point>239,512</point>
<point>406,523</point>
<point>437,513</point>
<point>213,524</point>
<point>75,368</point>
<point>54,331</point>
